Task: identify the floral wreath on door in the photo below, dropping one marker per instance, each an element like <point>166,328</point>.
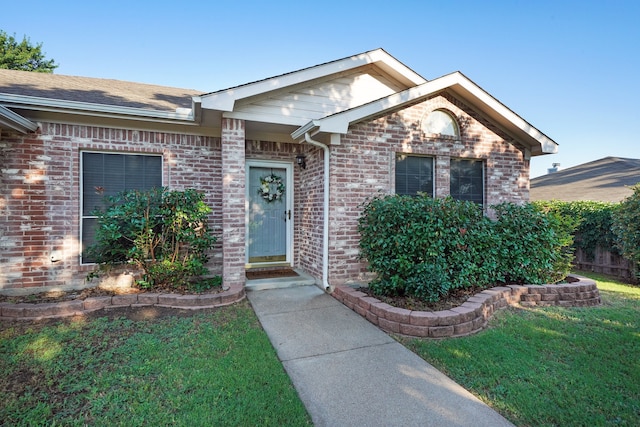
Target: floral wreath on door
<point>271,188</point>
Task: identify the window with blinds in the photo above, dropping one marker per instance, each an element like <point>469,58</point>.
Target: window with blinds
<point>467,180</point>
<point>107,174</point>
<point>414,174</point>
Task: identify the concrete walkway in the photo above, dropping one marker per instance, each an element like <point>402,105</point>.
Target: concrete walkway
<point>350,373</point>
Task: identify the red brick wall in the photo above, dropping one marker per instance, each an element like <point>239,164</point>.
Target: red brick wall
<point>40,194</point>
<point>364,165</point>
<point>40,200</point>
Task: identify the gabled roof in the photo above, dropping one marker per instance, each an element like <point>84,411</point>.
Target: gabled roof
<point>323,99</point>
<point>225,100</point>
<point>605,180</point>
<point>522,131</point>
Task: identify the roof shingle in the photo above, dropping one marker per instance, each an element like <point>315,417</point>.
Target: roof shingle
<point>93,90</point>
<point>605,180</point>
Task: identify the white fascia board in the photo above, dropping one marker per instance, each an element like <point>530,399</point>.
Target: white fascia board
<point>9,119</point>
<point>91,109</point>
<point>547,145</point>
<point>225,100</point>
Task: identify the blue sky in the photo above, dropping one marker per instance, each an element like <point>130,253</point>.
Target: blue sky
<point>570,68</point>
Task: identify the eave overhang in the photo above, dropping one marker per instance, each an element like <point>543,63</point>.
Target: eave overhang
<point>535,141</point>
<point>12,120</point>
<point>184,116</point>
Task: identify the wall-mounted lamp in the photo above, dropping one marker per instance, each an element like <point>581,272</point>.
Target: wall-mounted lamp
<point>301,160</point>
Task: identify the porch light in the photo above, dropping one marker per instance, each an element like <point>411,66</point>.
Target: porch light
<point>301,161</point>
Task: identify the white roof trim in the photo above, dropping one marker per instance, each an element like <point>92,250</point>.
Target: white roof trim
<point>225,100</point>
<point>9,119</point>
<point>340,122</point>
<point>88,108</point>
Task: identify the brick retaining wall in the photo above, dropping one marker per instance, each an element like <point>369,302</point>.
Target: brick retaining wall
<point>26,311</point>
<point>473,315</point>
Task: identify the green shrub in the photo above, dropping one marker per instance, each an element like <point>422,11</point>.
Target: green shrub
<point>425,247</point>
<point>163,233</point>
<point>594,228</point>
<point>535,245</point>
<point>626,228</point>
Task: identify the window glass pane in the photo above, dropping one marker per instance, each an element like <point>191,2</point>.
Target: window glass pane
<point>440,123</point>
<point>114,174</point>
<point>467,180</point>
<point>106,174</point>
<point>414,174</point>
<point>88,237</point>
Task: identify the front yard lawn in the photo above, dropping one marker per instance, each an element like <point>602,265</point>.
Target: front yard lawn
<point>553,366</point>
<point>216,368</point>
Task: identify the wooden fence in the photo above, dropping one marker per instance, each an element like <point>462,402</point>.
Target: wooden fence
<point>606,262</point>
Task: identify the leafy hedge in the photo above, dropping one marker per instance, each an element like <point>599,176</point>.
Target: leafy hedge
<point>626,228</point>
<point>595,221</point>
<point>427,247</point>
<point>163,233</point>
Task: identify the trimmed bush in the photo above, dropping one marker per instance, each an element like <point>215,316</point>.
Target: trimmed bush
<point>425,247</point>
<point>535,245</point>
<point>163,233</point>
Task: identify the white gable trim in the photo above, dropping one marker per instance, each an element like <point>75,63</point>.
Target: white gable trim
<point>458,83</point>
<point>225,100</point>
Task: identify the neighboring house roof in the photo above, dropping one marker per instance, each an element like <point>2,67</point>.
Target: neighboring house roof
<point>605,180</point>
<point>320,100</point>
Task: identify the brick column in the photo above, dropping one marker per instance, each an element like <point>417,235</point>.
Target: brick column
<point>233,202</point>
<point>443,176</point>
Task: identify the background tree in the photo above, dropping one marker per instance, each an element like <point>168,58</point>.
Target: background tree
<point>23,55</point>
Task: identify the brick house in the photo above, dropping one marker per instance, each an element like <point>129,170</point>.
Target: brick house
<point>331,135</point>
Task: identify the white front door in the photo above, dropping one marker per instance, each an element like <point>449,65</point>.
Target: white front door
<point>269,216</point>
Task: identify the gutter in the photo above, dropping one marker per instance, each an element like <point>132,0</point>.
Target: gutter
<point>325,230</point>
<point>99,110</point>
<point>11,120</point>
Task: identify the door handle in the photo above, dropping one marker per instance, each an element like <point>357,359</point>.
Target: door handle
<point>287,214</point>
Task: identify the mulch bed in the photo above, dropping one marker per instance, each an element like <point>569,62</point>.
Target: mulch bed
<point>60,296</point>
<point>455,299</point>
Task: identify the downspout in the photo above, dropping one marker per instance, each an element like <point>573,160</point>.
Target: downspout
<point>325,231</point>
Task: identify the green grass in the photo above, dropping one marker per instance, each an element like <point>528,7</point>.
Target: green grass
<point>215,368</point>
<point>553,366</point>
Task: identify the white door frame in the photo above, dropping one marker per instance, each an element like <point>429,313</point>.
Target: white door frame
<point>288,195</point>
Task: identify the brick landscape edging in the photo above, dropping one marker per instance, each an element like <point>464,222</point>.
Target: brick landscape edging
<point>472,316</point>
<point>27,311</point>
